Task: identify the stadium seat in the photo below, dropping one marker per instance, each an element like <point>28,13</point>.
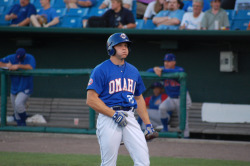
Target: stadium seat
<point>6,3</point>
<point>61,12</point>
<point>242,15</point>
<point>3,22</point>
<point>57,4</point>
<point>95,11</point>
<point>134,8</point>
<point>71,22</point>
<point>240,24</point>
<point>1,10</point>
<point>140,24</point>
<point>80,12</point>
<point>36,3</point>
<point>230,14</point>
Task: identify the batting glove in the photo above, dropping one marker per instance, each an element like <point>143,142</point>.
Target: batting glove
<point>149,129</point>
<point>120,118</point>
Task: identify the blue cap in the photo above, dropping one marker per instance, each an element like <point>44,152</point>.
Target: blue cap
<point>20,53</point>
<point>169,57</point>
<point>157,84</point>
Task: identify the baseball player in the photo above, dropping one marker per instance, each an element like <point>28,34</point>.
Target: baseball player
<point>172,88</point>
<point>115,90</point>
<point>21,86</point>
<point>152,103</point>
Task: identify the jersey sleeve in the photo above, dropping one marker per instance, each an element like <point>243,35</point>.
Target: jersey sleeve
<point>6,59</point>
<point>140,88</point>
<point>96,81</point>
<point>32,61</point>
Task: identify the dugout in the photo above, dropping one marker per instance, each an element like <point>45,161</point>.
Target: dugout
<point>197,51</point>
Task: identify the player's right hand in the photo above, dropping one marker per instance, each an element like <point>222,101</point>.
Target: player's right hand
<point>120,118</point>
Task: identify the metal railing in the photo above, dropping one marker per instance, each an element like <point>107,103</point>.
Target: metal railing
<point>76,72</point>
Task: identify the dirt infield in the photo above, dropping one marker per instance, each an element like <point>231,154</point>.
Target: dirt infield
<point>87,144</point>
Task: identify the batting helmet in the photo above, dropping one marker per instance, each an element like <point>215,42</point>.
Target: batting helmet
<point>115,39</point>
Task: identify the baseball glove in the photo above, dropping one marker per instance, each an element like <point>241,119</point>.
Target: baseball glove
<point>150,133</point>
<point>42,20</point>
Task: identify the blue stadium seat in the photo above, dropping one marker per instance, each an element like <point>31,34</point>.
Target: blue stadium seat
<point>140,24</point>
<point>242,15</point>
<point>134,7</point>
<point>57,4</point>
<point>230,14</point>
<point>61,11</point>
<point>6,3</point>
<point>239,24</point>
<point>3,22</point>
<point>95,11</point>
<point>36,3</point>
<point>2,10</point>
<point>71,22</point>
<point>80,12</point>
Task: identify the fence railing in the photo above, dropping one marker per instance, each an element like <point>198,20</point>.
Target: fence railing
<point>77,72</point>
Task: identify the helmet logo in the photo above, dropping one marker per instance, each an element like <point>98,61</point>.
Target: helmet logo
<point>123,36</point>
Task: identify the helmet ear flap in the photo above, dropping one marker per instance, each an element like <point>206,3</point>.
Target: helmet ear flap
<point>111,50</point>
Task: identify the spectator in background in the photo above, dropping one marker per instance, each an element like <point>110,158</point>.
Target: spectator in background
<point>152,103</point>
<point>169,18</point>
<point>128,4</point>
<point>152,9</point>
<point>21,86</point>
<point>192,20</point>
<point>172,88</point>
<point>141,6</point>
<point>116,17</point>
<point>242,5</point>
<point>215,18</point>
<point>79,3</point>
<point>188,7</point>
<point>19,14</point>
<point>46,17</point>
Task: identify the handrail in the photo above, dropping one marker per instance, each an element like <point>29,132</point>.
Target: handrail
<point>73,72</point>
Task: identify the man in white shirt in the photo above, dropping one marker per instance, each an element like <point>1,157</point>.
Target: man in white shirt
<point>192,20</point>
<point>125,3</point>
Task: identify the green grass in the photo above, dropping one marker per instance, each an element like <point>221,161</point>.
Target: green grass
<point>42,159</point>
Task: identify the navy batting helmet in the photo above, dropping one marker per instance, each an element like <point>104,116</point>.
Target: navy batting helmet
<point>115,39</point>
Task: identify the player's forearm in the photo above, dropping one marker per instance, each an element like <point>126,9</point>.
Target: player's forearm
<point>97,104</point>
<point>3,64</point>
<point>53,22</point>
<point>25,67</point>
<point>142,109</point>
<point>24,22</point>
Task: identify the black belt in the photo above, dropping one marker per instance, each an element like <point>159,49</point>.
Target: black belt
<point>116,108</point>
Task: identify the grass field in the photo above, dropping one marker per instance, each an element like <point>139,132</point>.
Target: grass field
<point>42,159</point>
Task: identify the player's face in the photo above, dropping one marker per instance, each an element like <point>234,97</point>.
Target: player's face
<point>169,64</point>
<point>197,7</point>
<point>121,50</point>
<point>173,5</point>
<point>44,2</point>
<point>157,91</point>
<point>215,4</point>
<point>24,2</point>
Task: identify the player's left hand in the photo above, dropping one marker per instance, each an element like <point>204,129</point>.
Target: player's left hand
<point>120,118</point>
<point>150,132</point>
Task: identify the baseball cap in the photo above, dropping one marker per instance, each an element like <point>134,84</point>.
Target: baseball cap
<point>169,57</point>
<point>20,53</point>
<point>157,84</point>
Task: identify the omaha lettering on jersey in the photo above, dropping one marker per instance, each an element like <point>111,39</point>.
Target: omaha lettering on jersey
<point>117,85</point>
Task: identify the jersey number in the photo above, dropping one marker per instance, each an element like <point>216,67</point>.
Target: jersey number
<point>130,98</point>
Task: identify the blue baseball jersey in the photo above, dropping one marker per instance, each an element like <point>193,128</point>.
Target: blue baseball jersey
<point>21,83</point>
<point>49,13</point>
<point>116,85</point>
<point>22,12</point>
<point>172,86</point>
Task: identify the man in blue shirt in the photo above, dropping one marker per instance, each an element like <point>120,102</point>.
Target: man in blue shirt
<point>169,18</point>
<point>21,86</point>
<point>46,17</point>
<point>19,14</point>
